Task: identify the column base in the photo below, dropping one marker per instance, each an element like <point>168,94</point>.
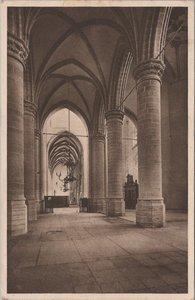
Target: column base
<point>16,218</point>
<point>38,207</point>
<point>104,206</point>
<point>150,213</point>
<point>32,210</point>
<point>115,207</point>
<point>96,205</point>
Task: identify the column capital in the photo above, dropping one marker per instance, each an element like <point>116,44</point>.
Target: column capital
<point>16,48</point>
<point>30,108</point>
<point>115,114</point>
<point>99,136</point>
<point>149,70</point>
<point>37,134</point>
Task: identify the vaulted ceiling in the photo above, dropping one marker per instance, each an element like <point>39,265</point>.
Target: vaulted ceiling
<point>73,51</point>
<point>64,149</point>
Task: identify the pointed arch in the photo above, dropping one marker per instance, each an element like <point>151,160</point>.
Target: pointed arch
<point>152,41</point>
<point>99,114</point>
<point>119,74</point>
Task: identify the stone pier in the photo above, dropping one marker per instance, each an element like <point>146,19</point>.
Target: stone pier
<point>150,211</point>
<point>115,205</point>
<point>17,211</point>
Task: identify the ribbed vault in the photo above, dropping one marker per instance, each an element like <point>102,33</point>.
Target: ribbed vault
<point>90,51</point>
<point>75,61</point>
<point>64,149</point>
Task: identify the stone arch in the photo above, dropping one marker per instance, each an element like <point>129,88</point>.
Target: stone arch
<point>129,113</point>
<point>99,115</point>
<point>119,75</point>
<point>59,142</point>
<point>155,24</point>
<point>68,105</point>
<point>55,150</point>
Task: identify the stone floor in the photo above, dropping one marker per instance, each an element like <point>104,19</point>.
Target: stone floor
<point>71,252</point>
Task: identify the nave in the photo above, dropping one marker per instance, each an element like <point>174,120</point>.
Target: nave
<point>72,252</point>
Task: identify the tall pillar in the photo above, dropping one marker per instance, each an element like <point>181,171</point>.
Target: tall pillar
<point>115,202</point>
<point>150,210</point>
<point>98,173</point>
<point>17,211</point>
<point>29,159</point>
<point>44,164</point>
<point>38,170</point>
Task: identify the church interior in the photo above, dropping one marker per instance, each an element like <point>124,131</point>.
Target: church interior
<point>97,149</point>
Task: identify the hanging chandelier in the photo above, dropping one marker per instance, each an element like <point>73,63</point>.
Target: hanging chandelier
<point>69,164</point>
<point>70,171</point>
<point>64,180</point>
<point>69,177</point>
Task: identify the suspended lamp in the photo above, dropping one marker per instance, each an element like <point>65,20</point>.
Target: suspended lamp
<point>69,164</point>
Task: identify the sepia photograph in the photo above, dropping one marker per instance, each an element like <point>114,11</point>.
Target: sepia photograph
<point>97,120</point>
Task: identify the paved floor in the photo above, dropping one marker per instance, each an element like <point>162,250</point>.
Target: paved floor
<point>68,252</point>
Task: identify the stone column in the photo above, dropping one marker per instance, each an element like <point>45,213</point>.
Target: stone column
<point>38,170</point>
<point>98,173</point>
<point>150,210</point>
<point>17,211</point>
<point>115,202</point>
<point>29,159</point>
